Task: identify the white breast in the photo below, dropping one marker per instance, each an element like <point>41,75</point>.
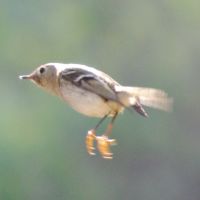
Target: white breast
<point>85,102</point>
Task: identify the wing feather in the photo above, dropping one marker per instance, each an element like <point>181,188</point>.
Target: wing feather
<point>90,82</point>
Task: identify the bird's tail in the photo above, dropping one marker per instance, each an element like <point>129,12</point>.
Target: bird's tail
<point>138,96</point>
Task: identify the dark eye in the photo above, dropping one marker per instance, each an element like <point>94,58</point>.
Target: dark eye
<point>42,70</point>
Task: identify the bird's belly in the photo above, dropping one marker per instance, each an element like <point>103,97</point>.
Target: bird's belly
<point>87,102</point>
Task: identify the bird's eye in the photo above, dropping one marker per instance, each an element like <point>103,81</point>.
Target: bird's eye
<point>42,70</point>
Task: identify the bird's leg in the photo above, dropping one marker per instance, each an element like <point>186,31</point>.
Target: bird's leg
<point>91,136</point>
<point>104,143</point>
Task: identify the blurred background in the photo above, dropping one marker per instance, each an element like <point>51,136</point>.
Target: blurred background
<point>142,43</point>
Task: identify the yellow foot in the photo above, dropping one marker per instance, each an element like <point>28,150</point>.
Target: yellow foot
<point>103,145</point>
<point>90,141</point>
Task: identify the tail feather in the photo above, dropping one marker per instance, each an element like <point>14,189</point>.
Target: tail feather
<point>138,108</point>
<point>145,96</point>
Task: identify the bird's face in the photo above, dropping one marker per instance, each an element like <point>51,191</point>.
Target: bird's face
<point>44,76</point>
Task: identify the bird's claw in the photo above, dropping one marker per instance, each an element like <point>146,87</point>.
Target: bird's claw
<point>103,145</point>
<point>90,142</point>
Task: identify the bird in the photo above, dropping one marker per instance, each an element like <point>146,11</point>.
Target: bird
<point>94,93</point>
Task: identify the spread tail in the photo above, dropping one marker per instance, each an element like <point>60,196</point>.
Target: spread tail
<point>138,96</point>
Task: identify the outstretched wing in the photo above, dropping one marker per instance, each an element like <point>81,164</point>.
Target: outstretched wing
<point>89,81</point>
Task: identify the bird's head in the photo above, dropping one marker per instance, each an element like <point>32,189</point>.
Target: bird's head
<point>45,76</point>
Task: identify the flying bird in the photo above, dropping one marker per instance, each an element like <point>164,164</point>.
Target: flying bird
<point>95,94</point>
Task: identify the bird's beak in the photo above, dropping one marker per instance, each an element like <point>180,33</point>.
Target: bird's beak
<point>29,76</point>
<point>32,77</point>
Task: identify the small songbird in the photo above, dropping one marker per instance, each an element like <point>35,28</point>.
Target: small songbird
<point>95,94</point>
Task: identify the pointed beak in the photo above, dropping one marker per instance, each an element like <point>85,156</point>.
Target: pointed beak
<point>32,77</point>
<point>29,77</point>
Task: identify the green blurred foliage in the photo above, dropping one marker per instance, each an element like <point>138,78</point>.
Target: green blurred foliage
<point>143,43</point>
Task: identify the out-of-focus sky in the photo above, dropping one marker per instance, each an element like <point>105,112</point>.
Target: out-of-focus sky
<point>141,43</point>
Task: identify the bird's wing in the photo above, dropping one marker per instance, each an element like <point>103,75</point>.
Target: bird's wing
<point>89,81</point>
